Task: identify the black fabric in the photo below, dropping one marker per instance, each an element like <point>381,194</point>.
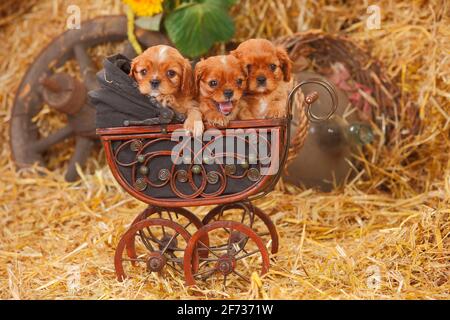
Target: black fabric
<point>118,98</point>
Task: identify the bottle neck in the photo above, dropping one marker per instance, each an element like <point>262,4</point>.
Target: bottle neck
<point>359,133</point>
<point>336,133</point>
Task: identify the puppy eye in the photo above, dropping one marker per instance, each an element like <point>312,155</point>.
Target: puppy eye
<point>273,67</point>
<point>239,82</point>
<point>171,73</point>
<point>213,83</point>
<point>143,72</point>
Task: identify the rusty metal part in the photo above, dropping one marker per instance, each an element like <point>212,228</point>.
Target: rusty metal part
<point>136,145</point>
<point>143,170</point>
<point>312,97</point>
<point>38,85</point>
<point>156,259</point>
<point>182,176</point>
<point>212,177</point>
<point>64,93</point>
<point>163,174</point>
<point>226,263</point>
<point>140,158</point>
<point>196,169</point>
<point>252,211</point>
<point>156,262</point>
<point>140,184</point>
<point>230,169</point>
<point>253,174</point>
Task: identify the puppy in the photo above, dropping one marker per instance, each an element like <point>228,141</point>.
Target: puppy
<point>220,82</point>
<point>269,74</point>
<point>162,72</point>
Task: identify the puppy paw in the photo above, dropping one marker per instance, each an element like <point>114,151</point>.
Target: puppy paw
<point>217,120</point>
<point>195,127</point>
<point>166,100</point>
<point>276,113</point>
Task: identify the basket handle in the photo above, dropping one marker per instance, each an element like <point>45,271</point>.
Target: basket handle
<point>312,97</point>
<point>296,143</point>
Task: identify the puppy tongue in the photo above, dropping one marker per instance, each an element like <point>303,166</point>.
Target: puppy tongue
<point>225,107</point>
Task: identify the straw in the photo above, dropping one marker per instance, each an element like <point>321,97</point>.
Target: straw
<point>383,236</point>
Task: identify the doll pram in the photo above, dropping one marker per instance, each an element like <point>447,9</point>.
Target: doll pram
<point>167,169</point>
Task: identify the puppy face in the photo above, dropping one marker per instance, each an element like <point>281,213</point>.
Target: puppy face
<point>221,80</point>
<point>162,70</point>
<point>266,64</point>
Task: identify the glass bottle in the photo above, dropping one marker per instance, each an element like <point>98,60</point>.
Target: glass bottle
<point>323,162</point>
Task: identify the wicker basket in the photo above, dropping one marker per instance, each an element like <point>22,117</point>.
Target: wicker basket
<point>381,98</point>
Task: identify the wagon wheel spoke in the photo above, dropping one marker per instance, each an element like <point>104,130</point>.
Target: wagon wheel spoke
<point>52,139</point>
<point>134,260</point>
<point>241,276</point>
<point>170,217</point>
<point>146,242</point>
<point>206,273</point>
<point>153,237</point>
<point>247,254</point>
<point>208,248</point>
<point>87,68</point>
<point>187,225</point>
<point>83,146</point>
<point>174,268</point>
<point>169,242</point>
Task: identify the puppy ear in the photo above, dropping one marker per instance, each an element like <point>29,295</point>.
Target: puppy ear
<point>133,66</point>
<point>198,73</point>
<point>236,53</point>
<point>244,69</point>
<point>286,63</point>
<point>187,86</point>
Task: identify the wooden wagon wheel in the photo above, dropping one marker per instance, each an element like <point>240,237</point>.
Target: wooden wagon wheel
<point>242,253</point>
<point>162,245</point>
<point>64,93</point>
<point>246,212</point>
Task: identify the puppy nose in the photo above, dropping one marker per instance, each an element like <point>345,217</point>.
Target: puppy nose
<point>228,93</point>
<point>155,83</point>
<point>261,80</point>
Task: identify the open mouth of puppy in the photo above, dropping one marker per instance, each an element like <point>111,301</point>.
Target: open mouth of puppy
<point>224,107</point>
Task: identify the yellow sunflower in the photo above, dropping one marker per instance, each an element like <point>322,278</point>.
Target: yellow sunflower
<point>145,8</point>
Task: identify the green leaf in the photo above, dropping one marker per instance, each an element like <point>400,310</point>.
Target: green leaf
<point>149,23</point>
<point>195,27</point>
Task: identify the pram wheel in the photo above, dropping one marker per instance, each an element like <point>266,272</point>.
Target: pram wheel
<point>159,243</point>
<point>246,213</point>
<point>235,251</point>
<point>182,216</point>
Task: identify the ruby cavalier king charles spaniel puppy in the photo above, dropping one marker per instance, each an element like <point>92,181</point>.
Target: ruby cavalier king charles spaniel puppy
<point>163,73</point>
<point>269,74</point>
<point>220,81</point>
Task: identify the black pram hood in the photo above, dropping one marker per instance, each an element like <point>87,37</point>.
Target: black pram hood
<point>118,98</point>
